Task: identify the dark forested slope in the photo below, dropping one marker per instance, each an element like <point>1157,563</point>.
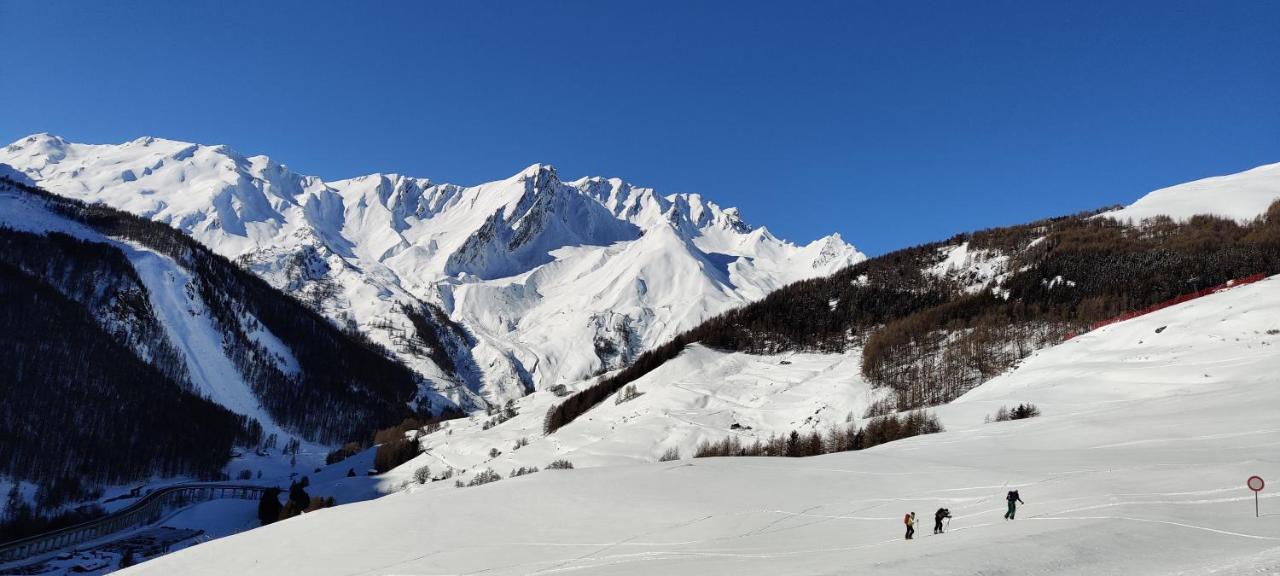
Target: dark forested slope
<point>76,403</point>
<point>92,389</point>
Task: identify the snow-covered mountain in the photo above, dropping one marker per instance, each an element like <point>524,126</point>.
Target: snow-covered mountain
<point>940,319</point>
<point>531,281</point>
<point>487,304</point>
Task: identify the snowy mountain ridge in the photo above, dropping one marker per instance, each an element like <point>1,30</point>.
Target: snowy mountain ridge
<point>551,281</point>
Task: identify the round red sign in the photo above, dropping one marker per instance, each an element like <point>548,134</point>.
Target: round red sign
<point>1255,483</point>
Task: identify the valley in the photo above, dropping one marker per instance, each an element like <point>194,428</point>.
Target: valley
<point>756,354</point>
<point>1136,466</point>
<point>625,288</point>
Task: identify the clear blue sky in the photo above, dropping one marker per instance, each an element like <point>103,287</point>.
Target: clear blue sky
<point>892,122</point>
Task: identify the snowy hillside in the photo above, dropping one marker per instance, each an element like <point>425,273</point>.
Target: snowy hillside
<point>702,395</point>
<point>1137,466</point>
<point>1241,196</point>
<point>550,281</point>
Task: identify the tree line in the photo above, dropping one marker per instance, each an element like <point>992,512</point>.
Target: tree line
<point>932,337</point>
<point>851,437</point>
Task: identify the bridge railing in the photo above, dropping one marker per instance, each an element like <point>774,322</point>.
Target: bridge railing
<point>146,510</point>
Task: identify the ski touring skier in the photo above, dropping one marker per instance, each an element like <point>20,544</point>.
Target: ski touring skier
<point>937,519</point>
<point>910,521</point>
<point>1014,500</point>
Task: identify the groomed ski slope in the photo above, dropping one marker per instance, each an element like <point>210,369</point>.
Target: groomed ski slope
<point>1137,467</point>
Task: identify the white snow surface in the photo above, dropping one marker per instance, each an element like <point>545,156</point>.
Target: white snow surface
<point>1242,196</point>
<point>1137,466</point>
<point>541,272</point>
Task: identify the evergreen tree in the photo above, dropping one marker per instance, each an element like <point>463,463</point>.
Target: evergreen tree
<point>793,445</point>
<point>298,496</point>
<point>269,506</point>
<point>12,503</point>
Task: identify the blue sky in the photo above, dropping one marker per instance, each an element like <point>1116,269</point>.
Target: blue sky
<point>893,123</point>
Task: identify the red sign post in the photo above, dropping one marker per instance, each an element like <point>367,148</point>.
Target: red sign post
<point>1256,484</point>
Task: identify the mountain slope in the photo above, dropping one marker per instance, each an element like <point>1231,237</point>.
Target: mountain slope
<point>1136,467</point>
<point>64,371</point>
<point>1241,196</point>
<point>552,281</point>
<point>933,321</point>
<point>162,353</point>
<point>913,328</point>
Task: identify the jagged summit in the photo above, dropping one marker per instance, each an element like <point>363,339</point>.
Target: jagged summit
<point>538,170</point>
<point>552,281</point>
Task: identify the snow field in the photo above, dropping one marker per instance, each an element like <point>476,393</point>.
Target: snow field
<point>699,396</point>
<point>1136,467</point>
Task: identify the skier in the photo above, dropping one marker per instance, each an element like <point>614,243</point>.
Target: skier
<point>937,519</point>
<point>1014,500</point>
<point>910,521</point>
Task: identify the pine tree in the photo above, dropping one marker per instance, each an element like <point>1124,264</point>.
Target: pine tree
<point>269,506</point>
<point>12,503</point>
<point>793,444</point>
<point>298,496</point>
